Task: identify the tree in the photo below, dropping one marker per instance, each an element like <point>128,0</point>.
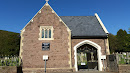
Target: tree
<point>112,42</point>
<point>128,42</point>
<point>121,40</point>
<point>9,43</point>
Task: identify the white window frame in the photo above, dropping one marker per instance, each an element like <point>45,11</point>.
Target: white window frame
<point>46,27</point>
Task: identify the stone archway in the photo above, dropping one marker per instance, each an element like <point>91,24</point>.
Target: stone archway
<point>92,44</point>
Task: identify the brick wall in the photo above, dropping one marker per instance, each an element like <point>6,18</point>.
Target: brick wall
<point>32,47</point>
<point>100,42</point>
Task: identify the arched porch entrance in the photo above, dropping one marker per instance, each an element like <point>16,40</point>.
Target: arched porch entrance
<point>89,50</point>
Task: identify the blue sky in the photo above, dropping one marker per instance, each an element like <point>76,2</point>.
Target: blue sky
<point>115,14</point>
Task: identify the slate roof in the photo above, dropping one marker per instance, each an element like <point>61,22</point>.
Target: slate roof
<point>84,26</point>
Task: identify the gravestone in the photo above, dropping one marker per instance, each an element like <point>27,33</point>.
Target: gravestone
<point>127,58</point>
<point>112,64</point>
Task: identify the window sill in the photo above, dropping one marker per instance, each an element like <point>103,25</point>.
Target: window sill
<point>46,39</point>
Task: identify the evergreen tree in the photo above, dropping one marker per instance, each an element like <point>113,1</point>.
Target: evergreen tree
<point>128,42</point>
<point>121,40</point>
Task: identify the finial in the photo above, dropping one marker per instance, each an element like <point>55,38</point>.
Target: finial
<point>47,1</point>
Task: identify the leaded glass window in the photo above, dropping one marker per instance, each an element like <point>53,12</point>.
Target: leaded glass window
<point>46,32</point>
<point>49,33</point>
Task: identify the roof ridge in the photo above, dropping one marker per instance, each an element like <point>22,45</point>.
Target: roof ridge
<point>74,16</point>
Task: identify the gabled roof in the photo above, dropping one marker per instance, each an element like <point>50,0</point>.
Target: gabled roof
<point>84,26</point>
<point>46,4</point>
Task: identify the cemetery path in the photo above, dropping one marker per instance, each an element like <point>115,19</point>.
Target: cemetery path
<point>86,72</point>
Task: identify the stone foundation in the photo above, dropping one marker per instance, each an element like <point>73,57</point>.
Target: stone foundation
<point>47,70</point>
<point>8,69</point>
<point>124,68</point>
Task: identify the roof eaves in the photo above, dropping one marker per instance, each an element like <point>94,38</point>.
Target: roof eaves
<point>89,37</point>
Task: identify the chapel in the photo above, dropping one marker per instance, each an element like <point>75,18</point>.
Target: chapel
<point>71,43</point>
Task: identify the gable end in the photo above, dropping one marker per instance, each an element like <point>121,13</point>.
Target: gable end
<point>46,4</point>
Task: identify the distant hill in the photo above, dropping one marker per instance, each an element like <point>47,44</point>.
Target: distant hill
<point>9,43</point>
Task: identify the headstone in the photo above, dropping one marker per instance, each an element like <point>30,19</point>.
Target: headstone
<point>127,58</point>
<point>119,58</point>
<point>124,53</point>
<point>6,58</point>
<point>122,56</point>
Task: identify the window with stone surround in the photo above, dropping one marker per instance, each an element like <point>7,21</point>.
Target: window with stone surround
<point>46,33</point>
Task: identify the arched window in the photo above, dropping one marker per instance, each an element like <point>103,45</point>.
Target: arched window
<point>46,33</point>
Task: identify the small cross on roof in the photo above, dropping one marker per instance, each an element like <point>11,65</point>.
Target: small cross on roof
<point>47,1</point>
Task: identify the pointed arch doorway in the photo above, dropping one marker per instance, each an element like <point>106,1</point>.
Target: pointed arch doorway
<point>91,52</point>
